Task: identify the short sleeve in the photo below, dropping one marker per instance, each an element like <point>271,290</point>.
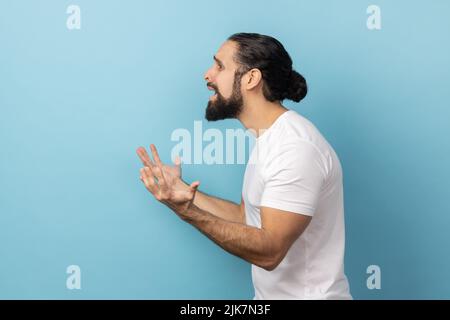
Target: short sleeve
<point>293,178</point>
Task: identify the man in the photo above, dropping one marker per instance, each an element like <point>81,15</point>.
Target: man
<point>290,222</point>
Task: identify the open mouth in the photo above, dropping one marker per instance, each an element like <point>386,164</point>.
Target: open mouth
<point>215,92</point>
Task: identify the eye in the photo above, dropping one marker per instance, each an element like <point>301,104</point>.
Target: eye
<point>220,67</point>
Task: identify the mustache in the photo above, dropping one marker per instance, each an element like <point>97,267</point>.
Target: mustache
<point>210,84</point>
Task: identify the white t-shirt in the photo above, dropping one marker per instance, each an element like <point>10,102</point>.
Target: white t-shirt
<point>293,168</point>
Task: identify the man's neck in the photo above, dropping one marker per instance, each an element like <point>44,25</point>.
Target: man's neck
<point>260,116</point>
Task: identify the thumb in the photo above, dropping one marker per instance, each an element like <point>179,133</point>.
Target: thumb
<point>194,186</point>
<point>177,162</point>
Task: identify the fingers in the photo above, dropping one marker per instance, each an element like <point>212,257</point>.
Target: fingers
<point>177,163</point>
<point>145,158</point>
<point>149,181</point>
<point>155,155</point>
<point>160,176</point>
<point>147,161</point>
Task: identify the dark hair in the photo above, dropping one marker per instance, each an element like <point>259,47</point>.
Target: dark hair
<point>269,56</point>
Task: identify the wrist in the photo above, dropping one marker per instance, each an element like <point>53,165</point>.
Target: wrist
<point>186,214</point>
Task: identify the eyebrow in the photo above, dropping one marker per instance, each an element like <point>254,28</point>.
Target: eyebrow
<point>218,61</point>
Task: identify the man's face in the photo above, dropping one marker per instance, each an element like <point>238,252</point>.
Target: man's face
<point>227,101</point>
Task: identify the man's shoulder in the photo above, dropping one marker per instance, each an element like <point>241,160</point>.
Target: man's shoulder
<point>298,134</point>
<point>297,131</point>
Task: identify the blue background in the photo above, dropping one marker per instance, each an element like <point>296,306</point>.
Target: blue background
<point>75,104</point>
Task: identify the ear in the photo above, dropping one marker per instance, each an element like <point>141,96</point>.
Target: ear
<point>253,78</point>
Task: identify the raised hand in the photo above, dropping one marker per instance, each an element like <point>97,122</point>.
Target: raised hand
<point>164,182</point>
<point>146,161</point>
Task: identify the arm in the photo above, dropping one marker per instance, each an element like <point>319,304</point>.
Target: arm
<point>265,247</point>
<point>224,209</point>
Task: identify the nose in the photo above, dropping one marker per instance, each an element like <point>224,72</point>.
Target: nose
<point>208,76</point>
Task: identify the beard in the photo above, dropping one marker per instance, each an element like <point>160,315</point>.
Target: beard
<point>222,108</point>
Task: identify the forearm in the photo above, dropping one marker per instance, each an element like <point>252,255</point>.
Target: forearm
<point>224,209</point>
<point>247,242</point>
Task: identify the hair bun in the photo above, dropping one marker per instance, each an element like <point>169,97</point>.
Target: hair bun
<point>297,87</point>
